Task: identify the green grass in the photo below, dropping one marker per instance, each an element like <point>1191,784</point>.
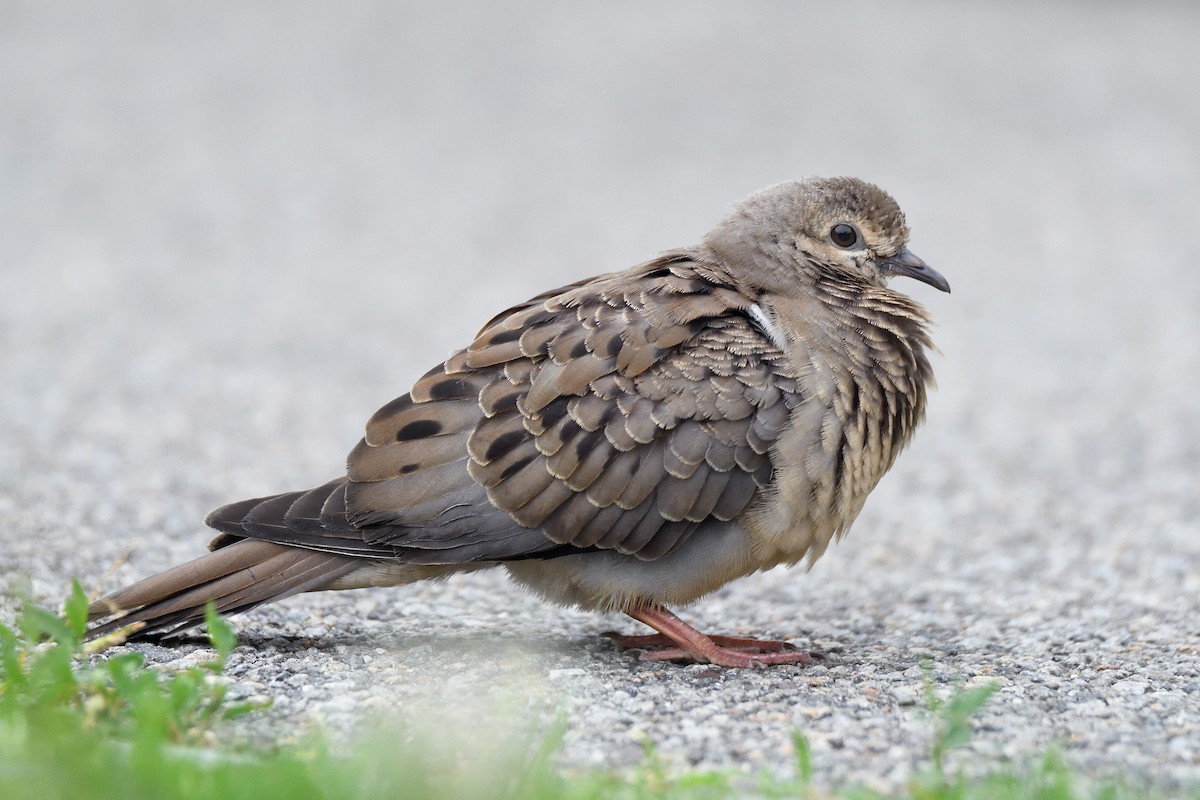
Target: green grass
<point>75,725</point>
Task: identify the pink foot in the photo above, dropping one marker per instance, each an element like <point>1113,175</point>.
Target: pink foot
<point>678,641</point>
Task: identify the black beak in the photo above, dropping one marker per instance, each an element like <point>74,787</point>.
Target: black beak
<point>909,265</point>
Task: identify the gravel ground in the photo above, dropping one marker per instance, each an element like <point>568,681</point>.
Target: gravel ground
<point>229,232</point>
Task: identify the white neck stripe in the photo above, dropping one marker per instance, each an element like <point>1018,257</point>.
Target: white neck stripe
<point>767,326</point>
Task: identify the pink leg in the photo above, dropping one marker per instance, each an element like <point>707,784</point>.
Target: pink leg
<point>680,641</point>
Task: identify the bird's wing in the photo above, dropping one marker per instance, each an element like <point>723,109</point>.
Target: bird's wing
<point>618,413</point>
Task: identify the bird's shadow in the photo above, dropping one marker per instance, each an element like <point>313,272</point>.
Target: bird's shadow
<point>396,643</point>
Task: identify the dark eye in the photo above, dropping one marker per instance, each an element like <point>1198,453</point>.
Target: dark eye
<point>844,235</point>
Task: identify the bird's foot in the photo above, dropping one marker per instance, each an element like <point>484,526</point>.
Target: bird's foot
<point>728,657</point>
<point>678,641</point>
<point>657,641</point>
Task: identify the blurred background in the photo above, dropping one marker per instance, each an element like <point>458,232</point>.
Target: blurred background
<point>229,231</point>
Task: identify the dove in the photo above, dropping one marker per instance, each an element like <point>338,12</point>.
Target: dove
<point>626,443</point>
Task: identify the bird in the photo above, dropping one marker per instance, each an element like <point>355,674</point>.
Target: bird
<point>626,443</point>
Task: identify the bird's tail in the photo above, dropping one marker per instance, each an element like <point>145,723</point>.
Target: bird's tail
<point>235,578</point>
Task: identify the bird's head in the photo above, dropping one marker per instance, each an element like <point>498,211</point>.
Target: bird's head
<point>797,231</point>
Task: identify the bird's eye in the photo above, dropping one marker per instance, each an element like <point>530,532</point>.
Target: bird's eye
<point>843,235</point>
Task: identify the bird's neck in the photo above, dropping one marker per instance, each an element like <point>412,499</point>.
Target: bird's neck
<point>837,315</point>
<point>864,337</point>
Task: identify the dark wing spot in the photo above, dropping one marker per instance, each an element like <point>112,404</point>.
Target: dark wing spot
<point>505,403</point>
<point>586,443</point>
<point>506,336</point>
<point>569,429</point>
<point>418,429</point>
<point>407,468</point>
<point>580,349</point>
<point>552,413</point>
<point>539,318</point>
<point>450,389</point>
<point>611,347</point>
<point>504,443</point>
<point>516,466</point>
<point>661,272</point>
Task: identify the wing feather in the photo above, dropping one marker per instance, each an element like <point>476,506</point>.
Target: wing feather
<point>617,413</point>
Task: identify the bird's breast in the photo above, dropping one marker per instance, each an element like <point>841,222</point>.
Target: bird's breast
<point>860,394</point>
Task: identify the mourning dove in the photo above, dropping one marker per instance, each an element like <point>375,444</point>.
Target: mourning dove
<point>625,443</point>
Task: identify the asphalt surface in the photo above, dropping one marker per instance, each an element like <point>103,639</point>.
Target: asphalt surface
<point>229,232</point>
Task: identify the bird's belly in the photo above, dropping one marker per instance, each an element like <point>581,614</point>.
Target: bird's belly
<point>821,484</point>
<point>824,467</point>
<point>610,581</point>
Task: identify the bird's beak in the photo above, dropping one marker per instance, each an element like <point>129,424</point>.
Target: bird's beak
<point>908,264</point>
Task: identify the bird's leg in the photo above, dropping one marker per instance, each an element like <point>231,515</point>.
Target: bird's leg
<point>679,641</point>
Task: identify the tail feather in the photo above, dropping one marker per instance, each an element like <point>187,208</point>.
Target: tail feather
<point>235,578</point>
